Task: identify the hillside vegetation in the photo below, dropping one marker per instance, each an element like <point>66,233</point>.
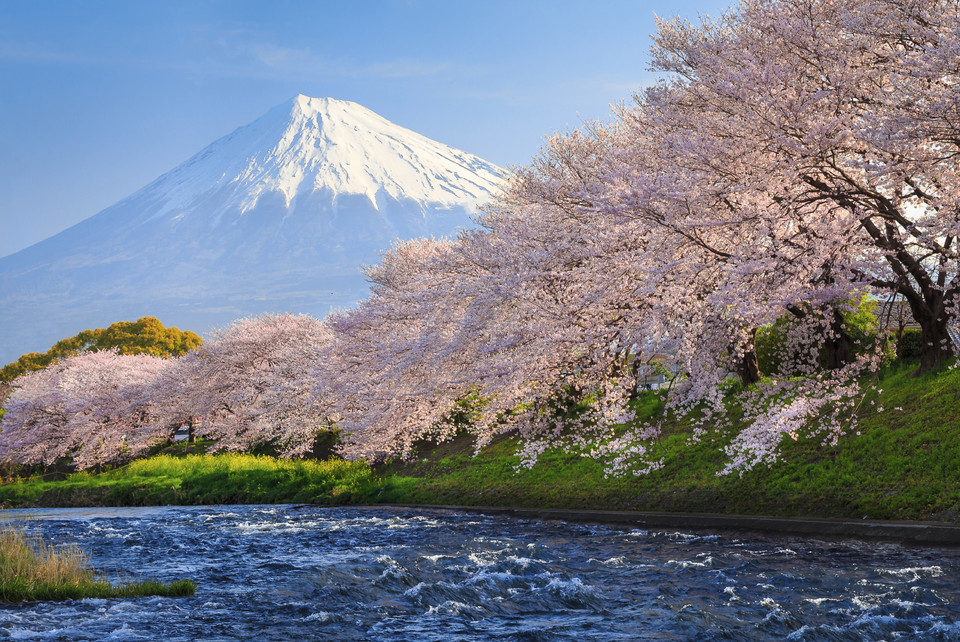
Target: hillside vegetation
<point>904,464</point>
<point>197,479</point>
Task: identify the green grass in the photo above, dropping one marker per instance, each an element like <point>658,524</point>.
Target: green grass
<point>31,570</point>
<point>203,479</point>
<point>905,464</point>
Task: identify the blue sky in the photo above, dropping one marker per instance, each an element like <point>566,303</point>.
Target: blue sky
<point>100,98</point>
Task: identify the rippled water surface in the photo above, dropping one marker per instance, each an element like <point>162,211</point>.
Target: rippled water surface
<point>288,572</point>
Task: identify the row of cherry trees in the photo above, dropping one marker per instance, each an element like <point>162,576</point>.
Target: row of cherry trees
<point>246,387</point>
<point>799,154</point>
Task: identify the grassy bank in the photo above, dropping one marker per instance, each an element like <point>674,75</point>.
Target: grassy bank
<point>203,479</point>
<point>905,464</point>
<point>31,570</point>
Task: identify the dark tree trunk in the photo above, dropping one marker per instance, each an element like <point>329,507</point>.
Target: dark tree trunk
<point>748,367</point>
<point>837,349</point>
<point>935,341</point>
<point>936,344</point>
<point>635,378</point>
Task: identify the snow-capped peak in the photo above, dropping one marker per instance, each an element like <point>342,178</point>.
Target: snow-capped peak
<point>336,147</point>
<point>276,217</point>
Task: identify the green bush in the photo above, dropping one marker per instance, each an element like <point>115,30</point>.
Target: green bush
<point>860,324</point>
<point>769,346</point>
<point>910,345</point>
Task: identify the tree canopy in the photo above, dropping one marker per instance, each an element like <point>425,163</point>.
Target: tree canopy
<point>797,155</point>
<point>248,387</point>
<point>146,335</point>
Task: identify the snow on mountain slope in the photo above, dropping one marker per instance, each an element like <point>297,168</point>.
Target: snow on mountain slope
<point>277,216</point>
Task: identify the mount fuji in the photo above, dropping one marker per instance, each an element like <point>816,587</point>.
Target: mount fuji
<point>277,216</point>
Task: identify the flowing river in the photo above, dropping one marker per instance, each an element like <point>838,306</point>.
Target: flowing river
<point>306,572</point>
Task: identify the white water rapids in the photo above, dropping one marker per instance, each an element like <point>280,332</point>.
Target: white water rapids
<point>307,572</point>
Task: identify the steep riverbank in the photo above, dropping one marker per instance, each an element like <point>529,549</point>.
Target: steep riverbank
<point>903,465</point>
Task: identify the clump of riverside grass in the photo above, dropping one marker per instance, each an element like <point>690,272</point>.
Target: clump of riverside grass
<point>32,570</point>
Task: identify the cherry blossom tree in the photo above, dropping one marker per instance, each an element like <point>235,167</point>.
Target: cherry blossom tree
<point>86,410</point>
<point>801,153</point>
<point>521,313</point>
<point>245,388</point>
<point>843,108</point>
<point>248,386</point>
<point>382,372</point>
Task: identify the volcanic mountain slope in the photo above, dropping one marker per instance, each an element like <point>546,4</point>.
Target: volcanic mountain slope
<point>277,216</point>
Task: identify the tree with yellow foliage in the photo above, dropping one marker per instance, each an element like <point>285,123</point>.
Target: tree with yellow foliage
<point>146,335</point>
